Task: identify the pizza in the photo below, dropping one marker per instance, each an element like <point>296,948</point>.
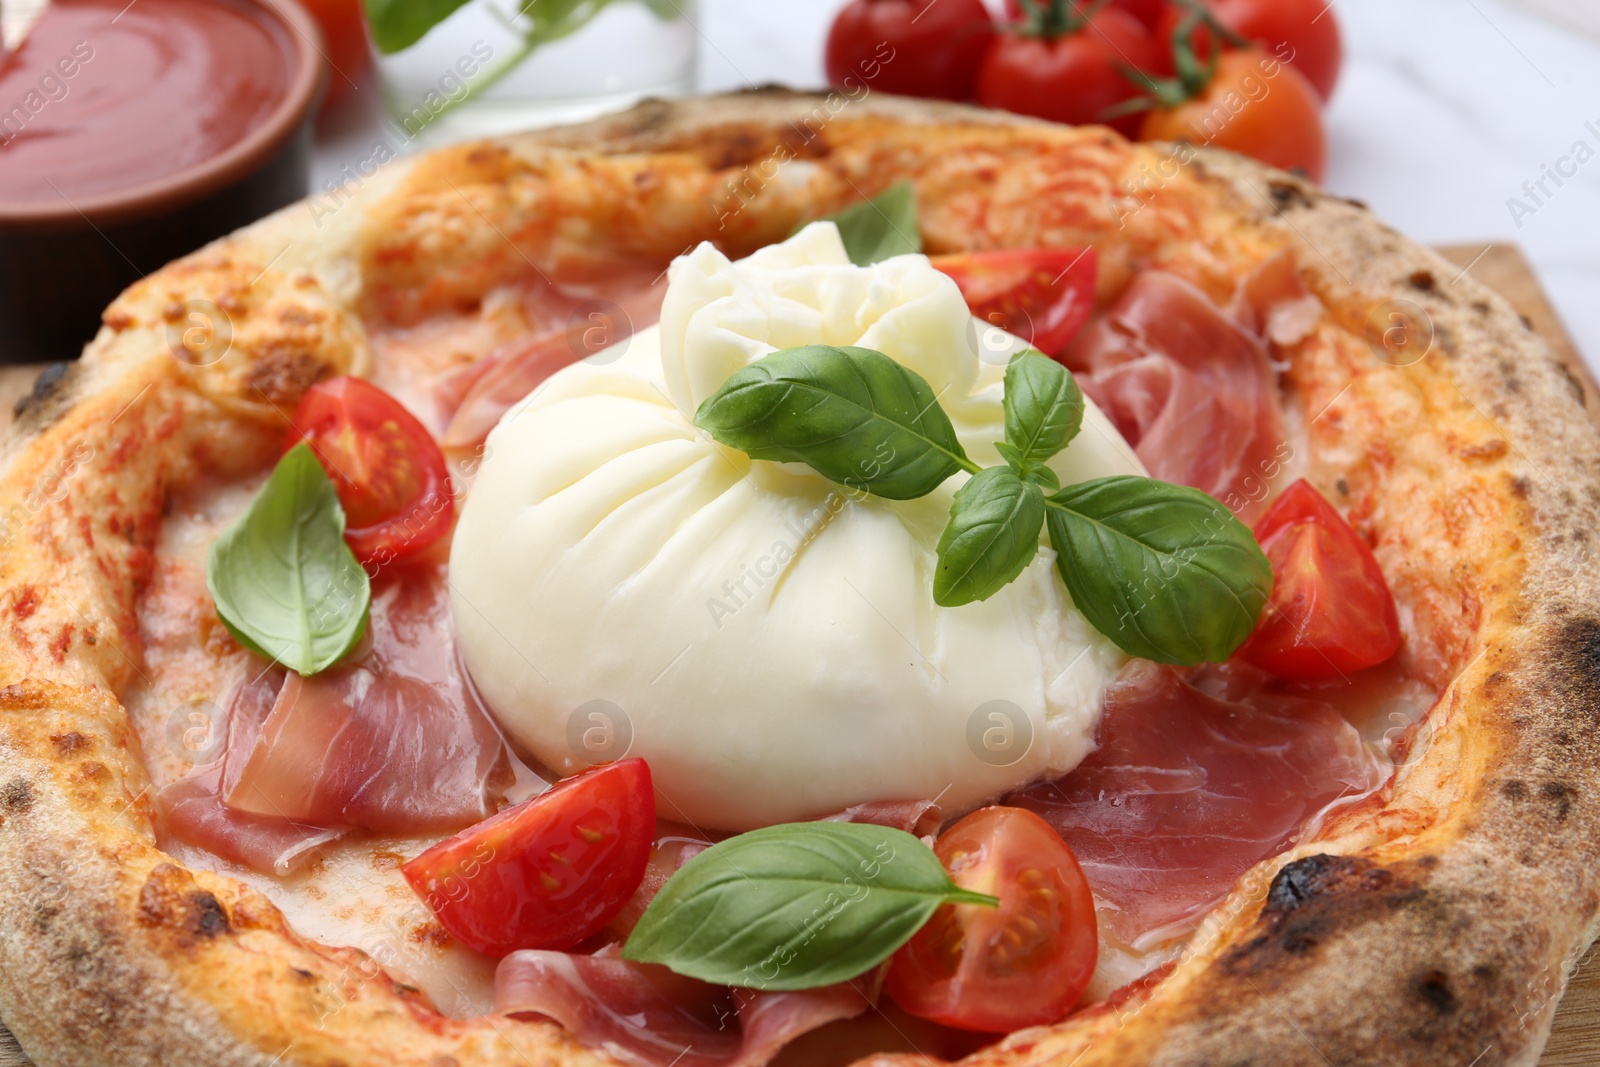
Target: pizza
<point>461,619</point>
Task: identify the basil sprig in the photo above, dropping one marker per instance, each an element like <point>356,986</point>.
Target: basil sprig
<point>285,583</point>
<point>795,906</point>
<point>1166,572</point>
<point>884,226</point>
<point>851,414</point>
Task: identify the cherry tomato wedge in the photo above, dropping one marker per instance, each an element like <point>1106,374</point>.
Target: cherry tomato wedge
<point>1331,611</point>
<point>1025,963</point>
<point>1043,295</point>
<point>549,872</point>
<point>388,472</point>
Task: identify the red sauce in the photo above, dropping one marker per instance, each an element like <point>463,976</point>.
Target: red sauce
<point>105,95</point>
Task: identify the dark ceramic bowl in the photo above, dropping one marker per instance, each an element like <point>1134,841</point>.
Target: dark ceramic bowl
<point>61,264</point>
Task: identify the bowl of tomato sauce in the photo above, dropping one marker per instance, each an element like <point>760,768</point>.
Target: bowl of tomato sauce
<point>134,133</point>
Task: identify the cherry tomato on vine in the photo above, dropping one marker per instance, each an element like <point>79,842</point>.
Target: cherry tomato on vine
<point>1025,963</point>
<point>1068,66</point>
<point>926,48</point>
<point>1302,33</point>
<point>549,872</point>
<point>1042,295</point>
<point>1331,611</point>
<point>390,475</point>
<point>1148,12</point>
<point>1254,105</point>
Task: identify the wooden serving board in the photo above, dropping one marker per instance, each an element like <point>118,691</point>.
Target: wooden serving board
<point>1575,1037</point>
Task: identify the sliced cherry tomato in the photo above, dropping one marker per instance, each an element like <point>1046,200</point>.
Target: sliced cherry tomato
<point>344,32</point>
<point>1042,295</point>
<point>1254,105</point>
<point>1025,963</point>
<point>547,873</point>
<point>1331,611</point>
<point>389,473</point>
<point>911,47</point>
<point>1068,67</point>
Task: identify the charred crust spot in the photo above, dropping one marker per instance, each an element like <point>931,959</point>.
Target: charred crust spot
<point>1302,880</point>
<point>1527,323</point>
<point>1423,281</point>
<point>1286,196</point>
<point>1573,383</point>
<point>16,796</point>
<point>1581,677</point>
<point>303,974</point>
<point>1521,487</point>
<point>170,900</point>
<point>1481,307</point>
<point>282,378</point>
<point>1312,900</point>
<point>1560,795</point>
<point>43,915</point>
<point>51,381</point>
<point>68,745</point>
<point>1434,989</point>
<point>1514,789</point>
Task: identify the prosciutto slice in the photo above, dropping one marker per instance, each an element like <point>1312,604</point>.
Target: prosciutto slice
<point>645,1015</point>
<point>394,741</point>
<point>192,810</point>
<point>570,326</point>
<point>1188,790</point>
<point>1189,388</point>
<point>920,817</point>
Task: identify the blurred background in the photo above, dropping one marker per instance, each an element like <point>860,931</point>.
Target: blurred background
<point>1457,121</point>
<point>1460,122</point>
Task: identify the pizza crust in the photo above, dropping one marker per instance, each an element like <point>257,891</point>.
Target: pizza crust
<point>1436,923</point>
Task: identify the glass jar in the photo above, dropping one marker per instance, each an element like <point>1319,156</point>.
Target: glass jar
<point>495,66</point>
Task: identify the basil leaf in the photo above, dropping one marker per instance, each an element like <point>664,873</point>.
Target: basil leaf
<point>795,906</point>
<point>884,226</point>
<point>1164,571</point>
<point>399,24</point>
<point>993,533</point>
<point>851,414</point>
<point>1043,405</point>
<point>285,583</point>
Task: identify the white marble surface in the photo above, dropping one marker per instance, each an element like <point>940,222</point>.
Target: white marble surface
<point>1446,109</point>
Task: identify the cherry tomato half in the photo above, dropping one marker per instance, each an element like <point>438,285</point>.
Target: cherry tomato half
<point>1256,106</point>
<point>1072,78</point>
<point>910,47</point>
<point>549,872</point>
<point>389,473</point>
<point>1025,963</point>
<point>1043,295</point>
<point>1331,611</point>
